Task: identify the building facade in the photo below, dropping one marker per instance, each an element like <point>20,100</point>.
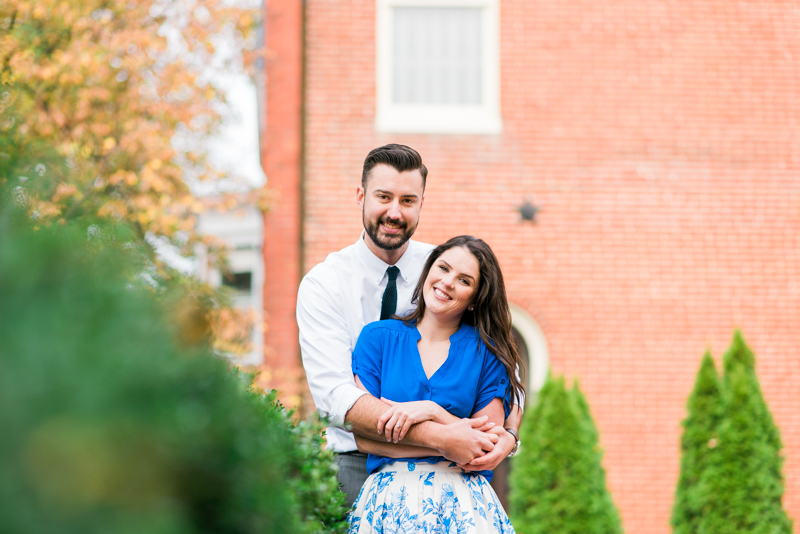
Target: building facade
<point>659,141</point>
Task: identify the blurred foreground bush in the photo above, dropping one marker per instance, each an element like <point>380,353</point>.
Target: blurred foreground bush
<point>115,421</point>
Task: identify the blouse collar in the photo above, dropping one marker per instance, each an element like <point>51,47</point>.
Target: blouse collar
<point>376,268</point>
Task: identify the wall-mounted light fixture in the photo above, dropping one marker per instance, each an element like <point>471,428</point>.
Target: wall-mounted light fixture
<point>529,211</point>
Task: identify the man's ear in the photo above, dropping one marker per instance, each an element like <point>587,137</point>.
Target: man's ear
<point>360,197</point>
<point>421,201</point>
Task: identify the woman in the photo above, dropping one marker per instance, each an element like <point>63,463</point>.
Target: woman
<point>453,357</point>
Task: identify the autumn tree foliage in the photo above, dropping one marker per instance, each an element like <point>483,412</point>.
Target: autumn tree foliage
<point>104,109</point>
<point>103,103</point>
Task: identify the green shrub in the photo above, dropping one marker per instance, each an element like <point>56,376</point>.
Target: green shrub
<point>741,489</point>
<point>109,425</point>
<point>313,477</point>
<point>558,483</point>
<point>705,407</point>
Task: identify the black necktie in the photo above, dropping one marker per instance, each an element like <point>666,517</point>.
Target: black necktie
<point>389,302</point>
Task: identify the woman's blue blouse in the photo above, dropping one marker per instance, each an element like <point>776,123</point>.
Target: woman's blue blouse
<point>387,361</point>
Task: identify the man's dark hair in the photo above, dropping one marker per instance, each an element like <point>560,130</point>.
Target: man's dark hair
<point>401,158</point>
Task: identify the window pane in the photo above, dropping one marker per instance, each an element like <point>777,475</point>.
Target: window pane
<point>241,282</point>
<point>436,55</point>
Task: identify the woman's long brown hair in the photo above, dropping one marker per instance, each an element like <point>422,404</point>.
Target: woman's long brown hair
<point>491,316</point>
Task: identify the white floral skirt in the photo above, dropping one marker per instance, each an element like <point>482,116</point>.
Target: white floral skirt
<point>422,498</point>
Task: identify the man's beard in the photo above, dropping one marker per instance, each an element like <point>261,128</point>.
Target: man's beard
<point>388,242</point>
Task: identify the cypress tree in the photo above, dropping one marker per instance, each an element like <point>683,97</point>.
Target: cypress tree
<point>526,475</point>
<point>740,355</point>
<point>741,489</point>
<point>699,438</point>
<point>603,510</point>
<point>558,484</point>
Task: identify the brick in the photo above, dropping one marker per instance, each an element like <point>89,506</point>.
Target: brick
<point>660,140</point>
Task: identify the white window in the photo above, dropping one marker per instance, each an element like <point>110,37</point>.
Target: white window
<point>438,67</point>
<point>242,231</point>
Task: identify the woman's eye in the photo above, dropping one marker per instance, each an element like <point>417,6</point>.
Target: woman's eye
<point>442,267</point>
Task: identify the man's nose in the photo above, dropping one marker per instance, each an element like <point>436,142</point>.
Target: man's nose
<point>393,212</point>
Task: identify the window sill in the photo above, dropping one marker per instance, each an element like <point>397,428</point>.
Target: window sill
<point>435,119</point>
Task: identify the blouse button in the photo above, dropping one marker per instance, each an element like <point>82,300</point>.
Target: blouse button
<point>427,389</point>
<point>503,381</point>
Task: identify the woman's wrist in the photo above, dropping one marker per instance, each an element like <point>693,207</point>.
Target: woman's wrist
<point>442,416</point>
<point>437,413</point>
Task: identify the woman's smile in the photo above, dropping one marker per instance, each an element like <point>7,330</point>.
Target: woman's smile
<point>441,294</point>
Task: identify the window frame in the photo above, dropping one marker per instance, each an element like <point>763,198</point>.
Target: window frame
<point>436,118</point>
<point>536,343</point>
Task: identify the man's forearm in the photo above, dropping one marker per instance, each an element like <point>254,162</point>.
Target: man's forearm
<point>364,414</point>
<point>393,450</point>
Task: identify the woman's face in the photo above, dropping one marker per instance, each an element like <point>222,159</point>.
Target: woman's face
<point>451,284</point>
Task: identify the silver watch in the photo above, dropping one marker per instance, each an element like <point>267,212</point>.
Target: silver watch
<point>515,450</point>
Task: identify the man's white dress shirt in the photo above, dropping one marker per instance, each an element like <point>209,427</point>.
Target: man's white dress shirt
<point>336,299</point>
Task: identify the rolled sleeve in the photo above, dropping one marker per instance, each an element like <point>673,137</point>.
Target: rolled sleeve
<point>493,383</point>
<point>326,348</point>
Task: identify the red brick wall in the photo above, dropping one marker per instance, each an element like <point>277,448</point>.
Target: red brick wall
<point>661,141</point>
<point>282,142</point>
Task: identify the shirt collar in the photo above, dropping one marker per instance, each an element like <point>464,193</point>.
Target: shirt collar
<point>376,267</point>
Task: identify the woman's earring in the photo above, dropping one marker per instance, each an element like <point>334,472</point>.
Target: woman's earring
<point>471,308</point>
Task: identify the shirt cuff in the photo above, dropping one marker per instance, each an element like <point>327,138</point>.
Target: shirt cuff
<point>345,397</point>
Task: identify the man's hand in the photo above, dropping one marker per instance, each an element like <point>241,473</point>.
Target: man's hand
<point>492,459</point>
<point>467,439</point>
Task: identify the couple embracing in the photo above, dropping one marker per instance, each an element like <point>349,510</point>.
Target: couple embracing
<point>411,345</point>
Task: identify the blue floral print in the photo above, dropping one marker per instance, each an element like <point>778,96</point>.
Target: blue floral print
<point>405,498</point>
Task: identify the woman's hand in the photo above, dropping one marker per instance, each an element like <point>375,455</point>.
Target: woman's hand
<point>395,422</point>
<point>488,462</point>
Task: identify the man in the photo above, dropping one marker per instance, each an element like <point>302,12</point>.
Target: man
<point>371,280</point>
